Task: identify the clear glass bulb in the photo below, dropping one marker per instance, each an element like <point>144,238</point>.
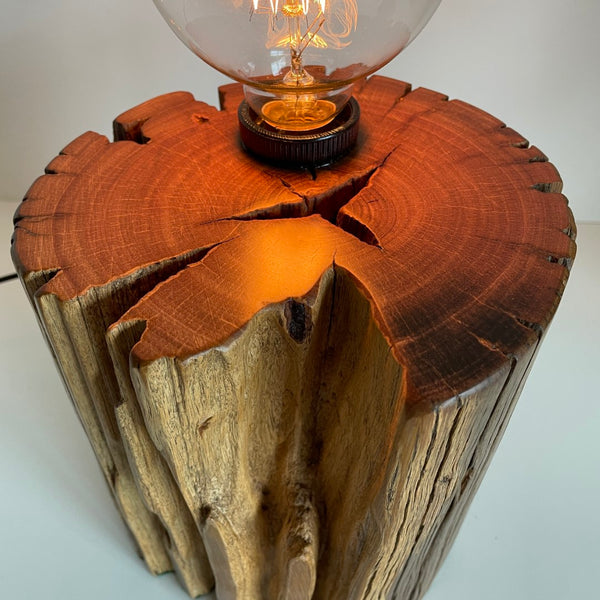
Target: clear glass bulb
<point>297,58</point>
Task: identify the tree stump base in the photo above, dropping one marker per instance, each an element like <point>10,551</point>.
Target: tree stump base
<point>294,381</point>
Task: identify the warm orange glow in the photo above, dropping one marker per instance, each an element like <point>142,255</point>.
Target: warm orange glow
<point>325,25</point>
<point>299,246</point>
<point>299,114</point>
<point>314,40</point>
<point>296,25</point>
<point>293,4</point>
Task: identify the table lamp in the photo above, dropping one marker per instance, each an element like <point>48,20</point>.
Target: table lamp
<point>294,380</point>
<point>297,60</point>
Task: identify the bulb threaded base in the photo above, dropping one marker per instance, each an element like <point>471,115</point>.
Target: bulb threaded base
<point>315,148</point>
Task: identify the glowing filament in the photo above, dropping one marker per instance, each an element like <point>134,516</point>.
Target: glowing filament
<point>291,7</point>
<point>297,25</point>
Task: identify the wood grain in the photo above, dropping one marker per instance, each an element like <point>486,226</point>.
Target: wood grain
<point>294,383</point>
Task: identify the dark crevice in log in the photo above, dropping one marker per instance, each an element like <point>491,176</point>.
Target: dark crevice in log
<point>372,578</point>
<point>129,127</point>
<point>547,187</point>
<point>27,230</point>
<point>467,477</point>
<point>334,283</point>
<point>401,529</point>
<point>125,336</point>
<point>399,535</point>
<point>488,344</point>
<point>132,133</point>
<point>204,425</point>
<point>204,513</point>
<point>570,231</point>
<point>327,205</point>
<point>18,218</point>
<point>358,230</point>
<point>290,187</point>
<point>393,485</point>
<point>563,261</point>
<point>538,158</point>
<point>431,441</point>
<point>522,143</point>
<point>128,290</point>
<point>438,479</point>
<point>535,327</point>
<point>298,320</point>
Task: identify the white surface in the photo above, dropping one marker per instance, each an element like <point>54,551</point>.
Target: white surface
<point>67,66</point>
<point>531,533</point>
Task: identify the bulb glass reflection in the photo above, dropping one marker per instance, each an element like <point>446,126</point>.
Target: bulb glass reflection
<point>297,58</point>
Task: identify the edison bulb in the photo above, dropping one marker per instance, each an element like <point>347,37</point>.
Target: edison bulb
<point>297,58</point>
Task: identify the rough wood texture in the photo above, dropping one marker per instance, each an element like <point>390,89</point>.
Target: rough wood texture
<point>294,384</point>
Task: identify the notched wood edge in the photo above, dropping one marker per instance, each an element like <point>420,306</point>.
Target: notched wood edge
<point>128,125</point>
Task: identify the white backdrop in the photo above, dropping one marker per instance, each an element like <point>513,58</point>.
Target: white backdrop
<point>67,66</point>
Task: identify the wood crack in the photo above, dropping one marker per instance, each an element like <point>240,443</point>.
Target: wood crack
<point>329,205</point>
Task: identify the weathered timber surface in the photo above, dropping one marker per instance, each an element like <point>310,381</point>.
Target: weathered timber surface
<point>294,382</point>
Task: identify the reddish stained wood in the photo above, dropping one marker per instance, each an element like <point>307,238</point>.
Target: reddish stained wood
<point>300,458</point>
<point>465,237</point>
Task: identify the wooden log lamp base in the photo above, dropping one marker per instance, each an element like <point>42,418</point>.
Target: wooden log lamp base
<point>294,381</point>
